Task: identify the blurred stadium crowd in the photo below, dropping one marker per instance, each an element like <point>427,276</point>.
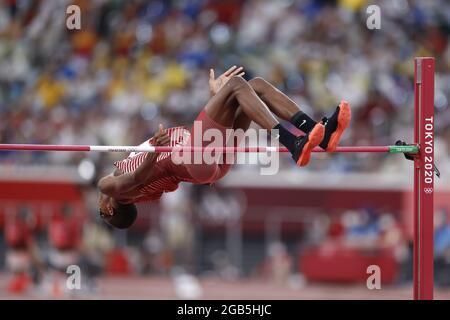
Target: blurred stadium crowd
<point>135,64</point>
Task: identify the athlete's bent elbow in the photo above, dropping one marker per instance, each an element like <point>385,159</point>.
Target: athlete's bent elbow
<point>107,186</point>
<point>101,185</point>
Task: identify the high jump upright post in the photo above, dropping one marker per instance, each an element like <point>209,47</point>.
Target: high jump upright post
<point>423,178</point>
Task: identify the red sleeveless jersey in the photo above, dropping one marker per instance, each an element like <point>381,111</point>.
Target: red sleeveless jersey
<point>163,180</point>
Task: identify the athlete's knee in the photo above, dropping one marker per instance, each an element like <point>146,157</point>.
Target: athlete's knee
<point>237,83</point>
<point>259,84</point>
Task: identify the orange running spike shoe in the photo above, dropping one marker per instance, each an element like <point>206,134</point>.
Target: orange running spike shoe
<point>336,126</point>
<point>305,144</point>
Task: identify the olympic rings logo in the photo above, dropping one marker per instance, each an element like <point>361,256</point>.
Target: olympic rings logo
<point>428,190</point>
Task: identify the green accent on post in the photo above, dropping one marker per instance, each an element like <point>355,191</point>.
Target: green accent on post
<point>403,149</point>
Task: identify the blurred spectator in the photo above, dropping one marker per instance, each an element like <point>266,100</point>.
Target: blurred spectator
<point>442,233</point>
<point>22,257</point>
<point>64,235</point>
<point>156,259</point>
<point>97,239</point>
<point>96,242</point>
<point>136,63</point>
<point>442,248</point>
<point>278,264</point>
<point>177,227</point>
<point>361,228</point>
<point>222,265</point>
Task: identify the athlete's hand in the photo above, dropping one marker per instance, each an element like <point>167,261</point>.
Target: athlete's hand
<point>161,137</point>
<point>105,205</point>
<point>216,84</point>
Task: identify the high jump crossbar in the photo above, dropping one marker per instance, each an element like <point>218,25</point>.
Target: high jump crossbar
<point>422,152</point>
<point>158,149</point>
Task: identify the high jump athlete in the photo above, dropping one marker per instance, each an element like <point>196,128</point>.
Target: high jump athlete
<point>234,103</point>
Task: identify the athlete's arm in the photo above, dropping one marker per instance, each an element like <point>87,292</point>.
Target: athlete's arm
<point>144,171</point>
<point>114,185</point>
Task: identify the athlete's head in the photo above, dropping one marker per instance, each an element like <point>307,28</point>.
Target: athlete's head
<point>118,215</point>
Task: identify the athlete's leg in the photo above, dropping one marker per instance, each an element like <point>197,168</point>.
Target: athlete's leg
<point>282,105</point>
<point>240,126</point>
<point>279,103</point>
<point>286,109</point>
<point>241,121</point>
<point>222,107</point>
